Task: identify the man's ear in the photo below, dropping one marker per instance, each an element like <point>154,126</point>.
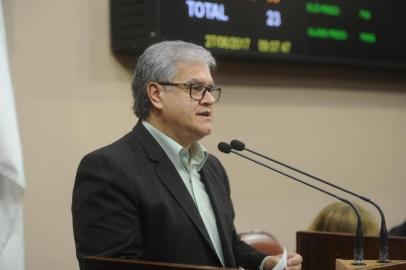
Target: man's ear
<point>154,94</point>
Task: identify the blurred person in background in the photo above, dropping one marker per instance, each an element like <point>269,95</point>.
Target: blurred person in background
<point>340,217</point>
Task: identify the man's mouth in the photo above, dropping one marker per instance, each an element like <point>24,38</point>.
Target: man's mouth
<point>205,113</point>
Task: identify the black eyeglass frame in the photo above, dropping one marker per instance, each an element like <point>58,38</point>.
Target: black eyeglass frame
<point>191,85</point>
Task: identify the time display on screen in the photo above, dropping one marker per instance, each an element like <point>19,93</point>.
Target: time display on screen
<point>364,32</point>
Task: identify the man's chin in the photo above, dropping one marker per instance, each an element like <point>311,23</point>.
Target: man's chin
<point>204,132</point>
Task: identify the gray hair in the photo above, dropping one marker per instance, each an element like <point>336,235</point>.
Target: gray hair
<point>158,63</point>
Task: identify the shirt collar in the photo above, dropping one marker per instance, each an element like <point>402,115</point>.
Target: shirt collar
<point>195,156</point>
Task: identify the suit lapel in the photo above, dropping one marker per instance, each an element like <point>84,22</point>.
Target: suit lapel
<point>215,198</point>
<point>170,178</point>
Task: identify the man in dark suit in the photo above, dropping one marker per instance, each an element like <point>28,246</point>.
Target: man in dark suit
<point>156,194</point>
<point>399,230</point>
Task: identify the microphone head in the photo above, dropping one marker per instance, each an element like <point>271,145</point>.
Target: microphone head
<point>237,145</point>
<point>224,147</point>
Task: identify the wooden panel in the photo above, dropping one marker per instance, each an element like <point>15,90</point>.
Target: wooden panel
<point>321,249</point>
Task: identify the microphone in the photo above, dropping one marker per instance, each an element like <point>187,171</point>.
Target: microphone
<point>383,235</point>
<point>359,234</point>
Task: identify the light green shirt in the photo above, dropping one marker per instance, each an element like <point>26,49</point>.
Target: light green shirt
<point>188,164</point>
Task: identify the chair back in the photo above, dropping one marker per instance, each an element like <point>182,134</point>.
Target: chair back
<point>262,241</point>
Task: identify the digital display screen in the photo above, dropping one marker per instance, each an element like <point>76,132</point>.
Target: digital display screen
<point>364,32</point>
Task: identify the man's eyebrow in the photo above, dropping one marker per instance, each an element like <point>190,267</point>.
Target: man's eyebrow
<point>196,81</point>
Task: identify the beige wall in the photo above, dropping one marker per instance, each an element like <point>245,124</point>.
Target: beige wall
<point>73,96</point>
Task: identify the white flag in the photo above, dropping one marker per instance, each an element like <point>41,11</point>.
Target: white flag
<point>12,182</point>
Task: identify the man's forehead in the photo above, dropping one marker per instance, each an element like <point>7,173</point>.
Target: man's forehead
<point>183,64</point>
<point>196,71</point>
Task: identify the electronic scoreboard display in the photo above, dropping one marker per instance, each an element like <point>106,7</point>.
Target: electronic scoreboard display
<point>360,32</point>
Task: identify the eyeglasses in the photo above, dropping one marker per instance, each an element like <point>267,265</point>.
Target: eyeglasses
<point>197,91</point>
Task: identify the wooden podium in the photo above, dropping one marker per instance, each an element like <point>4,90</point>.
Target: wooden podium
<point>370,264</point>
<point>321,249</point>
<point>106,263</point>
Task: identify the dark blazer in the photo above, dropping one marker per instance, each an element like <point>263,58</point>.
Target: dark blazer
<point>399,230</point>
<point>130,202</point>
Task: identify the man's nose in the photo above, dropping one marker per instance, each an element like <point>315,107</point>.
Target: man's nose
<point>208,98</point>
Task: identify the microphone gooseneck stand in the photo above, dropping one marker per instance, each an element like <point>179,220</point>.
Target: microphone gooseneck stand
<point>383,234</point>
<point>359,234</point>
